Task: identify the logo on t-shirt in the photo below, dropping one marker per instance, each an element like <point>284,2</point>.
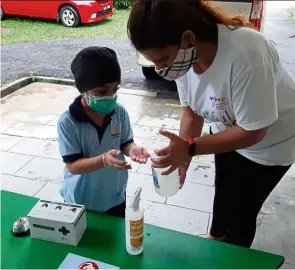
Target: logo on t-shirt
<point>116,130</point>
<point>218,110</point>
<point>219,103</point>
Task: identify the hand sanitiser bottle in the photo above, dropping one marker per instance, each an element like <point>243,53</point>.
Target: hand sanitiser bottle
<point>134,225</point>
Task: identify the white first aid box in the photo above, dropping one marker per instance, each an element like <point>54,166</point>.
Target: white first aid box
<point>58,222</point>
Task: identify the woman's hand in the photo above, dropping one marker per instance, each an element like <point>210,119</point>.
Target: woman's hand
<point>110,160</point>
<point>139,154</point>
<point>173,155</point>
<point>182,170</point>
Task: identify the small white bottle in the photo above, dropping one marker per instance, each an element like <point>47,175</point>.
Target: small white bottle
<point>134,225</point>
<point>165,185</point>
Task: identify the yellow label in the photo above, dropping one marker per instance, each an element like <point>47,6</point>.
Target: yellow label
<point>173,105</point>
<point>136,233</point>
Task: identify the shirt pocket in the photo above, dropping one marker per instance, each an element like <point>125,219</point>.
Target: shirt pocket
<point>116,141</point>
<point>116,134</point>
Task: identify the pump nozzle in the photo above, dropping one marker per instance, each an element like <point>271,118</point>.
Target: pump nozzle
<point>134,203</point>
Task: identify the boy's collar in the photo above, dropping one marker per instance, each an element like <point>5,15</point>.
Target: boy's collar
<point>77,111</point>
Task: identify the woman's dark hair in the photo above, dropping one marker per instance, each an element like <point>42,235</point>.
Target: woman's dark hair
<point>161,23</point>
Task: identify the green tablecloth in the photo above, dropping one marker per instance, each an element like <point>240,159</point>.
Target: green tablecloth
<point>104,240</point>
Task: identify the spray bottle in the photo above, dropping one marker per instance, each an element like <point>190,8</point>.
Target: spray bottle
<point>134,225</point>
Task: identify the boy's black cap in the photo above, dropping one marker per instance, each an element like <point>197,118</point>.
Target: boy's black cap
<point>95,66</point>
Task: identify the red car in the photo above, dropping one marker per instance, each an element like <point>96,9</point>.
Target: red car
<point>70,13</point>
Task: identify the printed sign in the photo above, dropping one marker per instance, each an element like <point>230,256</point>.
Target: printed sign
<point>73,261</point>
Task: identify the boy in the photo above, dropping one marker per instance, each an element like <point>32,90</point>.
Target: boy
<point>95,134</point>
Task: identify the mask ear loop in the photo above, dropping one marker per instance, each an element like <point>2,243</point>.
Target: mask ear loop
<point>86,98</point>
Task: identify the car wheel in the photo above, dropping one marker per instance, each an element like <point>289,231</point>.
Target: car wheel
<point>69,16</point>
<point>151,74</point>
<point>1,14</point>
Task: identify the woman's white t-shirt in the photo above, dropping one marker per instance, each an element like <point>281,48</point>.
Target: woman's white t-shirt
<point>246,85</point>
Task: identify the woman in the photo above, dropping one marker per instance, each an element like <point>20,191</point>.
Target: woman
<point>231,74</point>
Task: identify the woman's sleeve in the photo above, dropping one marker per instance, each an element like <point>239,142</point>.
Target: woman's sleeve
<point>181,92</point>
<point>254,93</point>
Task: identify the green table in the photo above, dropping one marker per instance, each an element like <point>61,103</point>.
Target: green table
<point>104,240</point>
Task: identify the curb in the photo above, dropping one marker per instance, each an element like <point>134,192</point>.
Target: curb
<point>14,86</point>
<point>20,83</point>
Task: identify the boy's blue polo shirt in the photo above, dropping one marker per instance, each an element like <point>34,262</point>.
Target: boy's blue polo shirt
<point>79,138</point>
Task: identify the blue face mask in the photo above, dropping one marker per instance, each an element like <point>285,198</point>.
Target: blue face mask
<point>102,105</point>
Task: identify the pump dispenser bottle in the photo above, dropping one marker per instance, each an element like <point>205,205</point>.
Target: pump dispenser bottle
<point>134,225</point>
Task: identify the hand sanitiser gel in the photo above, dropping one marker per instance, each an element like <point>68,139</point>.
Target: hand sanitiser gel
<point>134,225</point>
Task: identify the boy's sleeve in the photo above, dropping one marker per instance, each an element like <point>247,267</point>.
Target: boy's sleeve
<point>69,146</point>
<point>126,132</point>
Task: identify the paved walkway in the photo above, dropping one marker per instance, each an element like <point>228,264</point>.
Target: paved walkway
<point>31,164</point>
<point>278,28</point>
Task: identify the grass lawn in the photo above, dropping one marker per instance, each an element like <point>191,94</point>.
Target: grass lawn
<point>15,30</point>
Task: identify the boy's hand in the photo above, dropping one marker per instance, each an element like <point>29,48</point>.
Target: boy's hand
<point>139,154</point>
<point>110,159</point>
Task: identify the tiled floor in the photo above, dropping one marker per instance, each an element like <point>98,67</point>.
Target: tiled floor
<point>31,164</point>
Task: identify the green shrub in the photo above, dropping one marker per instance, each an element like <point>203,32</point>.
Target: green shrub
<point>123,4</point>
